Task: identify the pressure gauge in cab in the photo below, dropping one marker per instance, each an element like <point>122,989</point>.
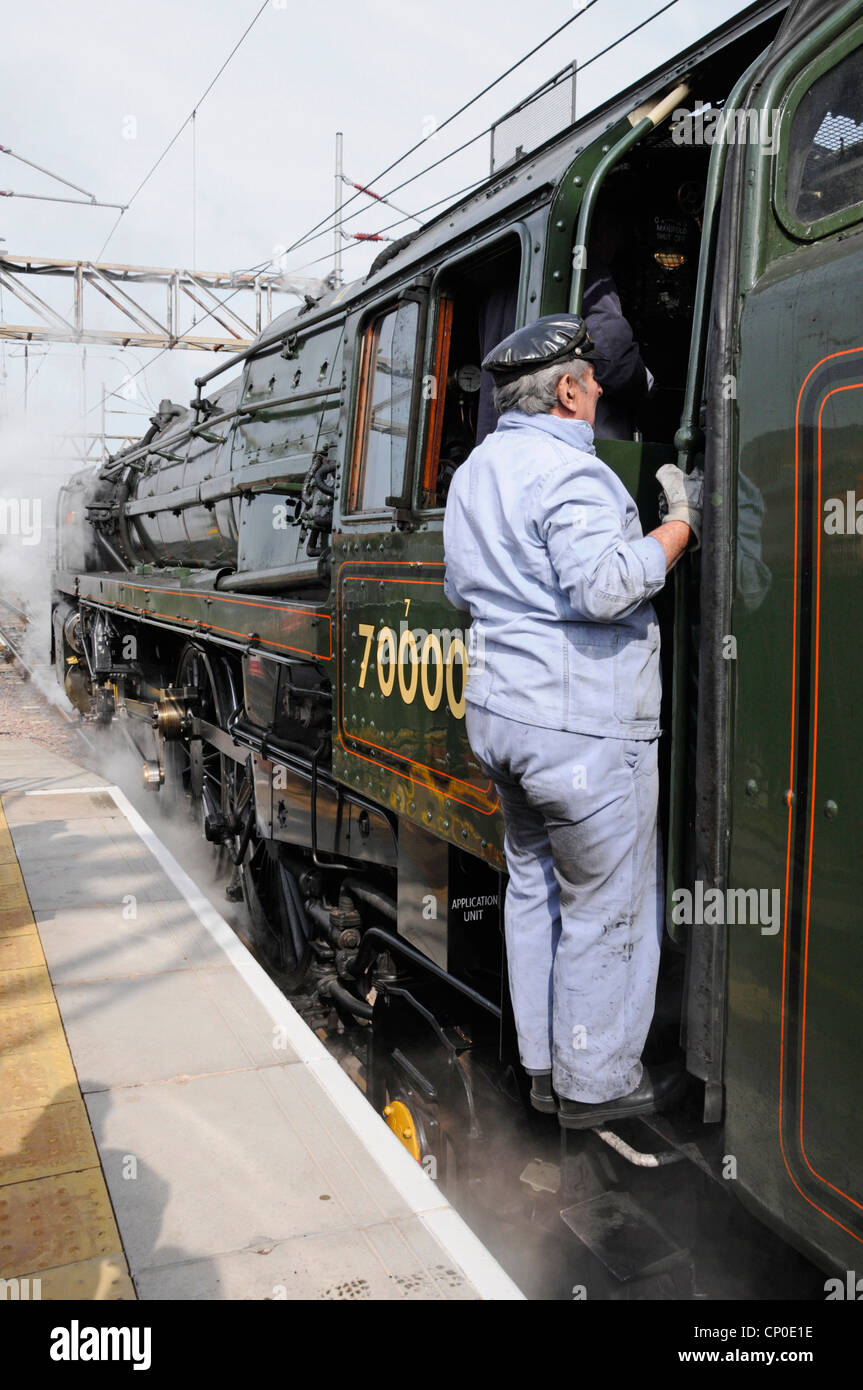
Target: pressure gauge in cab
<point>468,377</point>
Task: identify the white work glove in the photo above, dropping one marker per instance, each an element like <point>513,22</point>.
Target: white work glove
<point>682,498</point>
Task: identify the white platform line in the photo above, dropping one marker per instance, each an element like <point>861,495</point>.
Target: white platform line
<point>417,1189</point>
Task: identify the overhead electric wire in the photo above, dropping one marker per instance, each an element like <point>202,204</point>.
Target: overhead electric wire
<point>155,166</point>
<point>448,198</point>
<point>92,200</point>
<point>408,217</point>
<point>191,116</point>
<point>314,233</point>
<point>51,198</point>
<point>377,196</point>
<point>454,116</point>
<point>407,153</point>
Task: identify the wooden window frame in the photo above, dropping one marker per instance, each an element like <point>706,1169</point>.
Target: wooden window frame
<point>440,369</point>
<point>370,340</point>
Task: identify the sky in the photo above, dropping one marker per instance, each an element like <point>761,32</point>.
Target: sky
<point>94,91</point>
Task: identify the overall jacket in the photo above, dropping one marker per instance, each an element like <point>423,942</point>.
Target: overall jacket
<point>544,547</point>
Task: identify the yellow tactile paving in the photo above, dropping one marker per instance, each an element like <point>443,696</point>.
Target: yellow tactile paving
<point>46,1141</point>
<point>11,882</point>
<point>7,849</point>
<point>15,913</point>
<point>21,952</point>
<point>30,1027</point>
<point>88,1279</point>
<point>28,987</point>
<point>29,1079</point>
<point>56,1219</point>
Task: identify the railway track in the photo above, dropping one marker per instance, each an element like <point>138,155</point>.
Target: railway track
<point>11,639</point>
<point>13,608</point>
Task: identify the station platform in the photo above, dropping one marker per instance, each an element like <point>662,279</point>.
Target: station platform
<point>170,1128</point>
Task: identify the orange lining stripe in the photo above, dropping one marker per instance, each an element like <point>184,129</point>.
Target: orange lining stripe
<point>394,772</point>
<point>431,464</point>
<point>222,598</point>
<point>857,386</point>
<point>846,352</point>
<point>343,733</point>
<point>214,627</point>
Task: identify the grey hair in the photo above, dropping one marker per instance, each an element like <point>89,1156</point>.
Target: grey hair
<point>536,392</point>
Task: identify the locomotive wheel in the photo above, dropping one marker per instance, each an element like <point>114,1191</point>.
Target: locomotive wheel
<point>416,1127</point>
<point>407,1123</point>
<point>197,774</point>
<point>403,1125</point>
<point>266,889</point>
<point>264,882</point>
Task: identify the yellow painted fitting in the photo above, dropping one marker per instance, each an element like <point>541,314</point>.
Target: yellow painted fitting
<point>401,1122</point>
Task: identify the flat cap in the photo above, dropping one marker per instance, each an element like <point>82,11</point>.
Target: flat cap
<point>540,344</point>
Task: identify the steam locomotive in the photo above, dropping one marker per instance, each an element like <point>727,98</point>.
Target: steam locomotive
<point>253,591</point>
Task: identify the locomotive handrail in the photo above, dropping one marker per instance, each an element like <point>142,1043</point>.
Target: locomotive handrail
<point>257,477</point>
<point>265,405</point>
<point>227,416</point>
<point>264,348</point>
<point>652,118</point>
<point>259,349</point>
<point>203,432</point>
<point>688,436</point>
<point>687,440</point>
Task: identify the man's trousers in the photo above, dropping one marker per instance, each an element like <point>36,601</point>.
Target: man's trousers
<point>584,904</point>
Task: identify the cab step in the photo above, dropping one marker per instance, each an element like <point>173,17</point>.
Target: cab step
<point>626,1239</point>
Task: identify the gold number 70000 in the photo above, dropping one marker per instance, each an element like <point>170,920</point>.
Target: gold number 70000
<point>417,661</point>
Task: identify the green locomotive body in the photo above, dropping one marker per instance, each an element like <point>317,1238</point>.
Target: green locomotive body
<point>256,592</point>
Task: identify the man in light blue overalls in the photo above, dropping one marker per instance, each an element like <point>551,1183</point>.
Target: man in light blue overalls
<point>544,547</point>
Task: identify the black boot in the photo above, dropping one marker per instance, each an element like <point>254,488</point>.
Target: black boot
<point>542,1096</point>
<point>658,1086</point>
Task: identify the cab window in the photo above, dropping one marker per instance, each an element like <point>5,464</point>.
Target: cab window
<point>825,146</point>
<point>381,441</point>
<point>477,305</point>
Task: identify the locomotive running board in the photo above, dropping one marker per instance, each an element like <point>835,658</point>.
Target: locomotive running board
<point>280,629</point>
